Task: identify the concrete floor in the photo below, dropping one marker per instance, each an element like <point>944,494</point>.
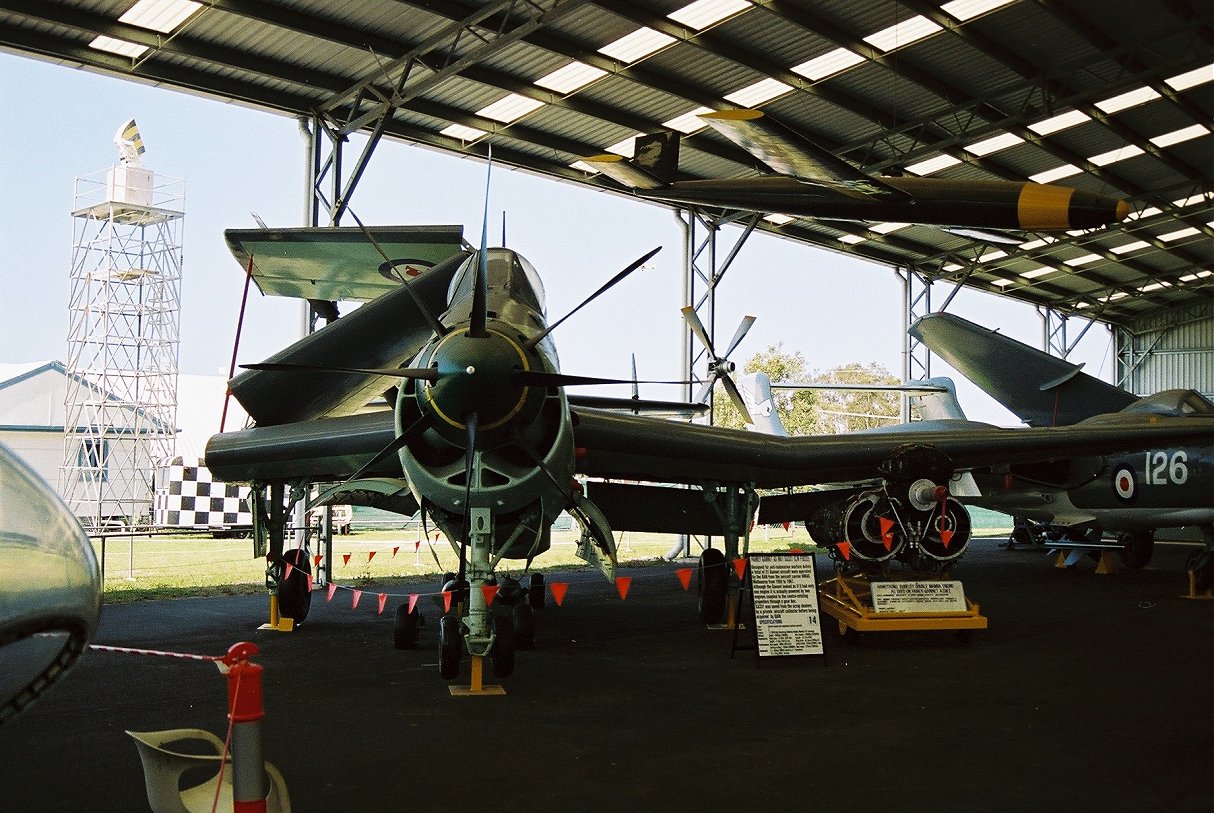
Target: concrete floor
<point>1087,692</point>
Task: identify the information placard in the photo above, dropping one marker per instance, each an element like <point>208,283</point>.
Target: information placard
<point>918,597</point>
<point>785,593</point>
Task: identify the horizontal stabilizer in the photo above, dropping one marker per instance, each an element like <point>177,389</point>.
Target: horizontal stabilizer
<point>1040,389</point>
<point>790,153</point>
<point>340,263</point>
<point>625,172</point>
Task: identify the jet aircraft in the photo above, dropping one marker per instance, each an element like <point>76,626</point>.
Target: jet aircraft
<point>810,181</point>
<point>482,435</point>
<point>1130,493</point>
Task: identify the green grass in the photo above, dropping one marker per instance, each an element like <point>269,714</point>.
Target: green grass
<point>145,567</point>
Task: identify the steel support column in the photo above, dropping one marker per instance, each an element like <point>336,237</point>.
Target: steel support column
<point>916,303</point>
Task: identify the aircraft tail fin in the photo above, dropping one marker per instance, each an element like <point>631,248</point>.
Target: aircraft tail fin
<point>755,389</point>
<point>655,162</point>
<point>938,406</point>
<point>1040,389</point>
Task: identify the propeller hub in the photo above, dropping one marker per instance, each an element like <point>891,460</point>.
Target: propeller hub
<point>474,375</point>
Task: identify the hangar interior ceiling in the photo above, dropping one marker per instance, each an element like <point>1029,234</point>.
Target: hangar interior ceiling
<point>1111,97</point>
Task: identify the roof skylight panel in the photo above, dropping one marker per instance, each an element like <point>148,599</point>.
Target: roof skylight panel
<point>934,164</point>
<point>993,144</point>
<point>762,91</point>
<point>703,13</point>
<point>574,76</point>
<point>510,108</point>
<point>1193,78</point>
<point>903,33</point>
<point>689,122</point>
<point>828,64</point>
<point>1181,135</point>
<point>1131,98</point>
<point>163,16</point>
<point>120,47</point>
<point>968,9</point>
<point>637,45</point>
<point>1062,121</point>
<point>1051,175</point>
<point>463,133</point>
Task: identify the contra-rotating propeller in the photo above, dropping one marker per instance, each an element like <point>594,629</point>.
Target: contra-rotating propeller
<point>720,368</point>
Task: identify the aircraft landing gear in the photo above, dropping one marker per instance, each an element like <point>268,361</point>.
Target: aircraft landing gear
<point>1139,545</point>
<point>405,631</point>
<point>502,654</point>
<point>294,597</point>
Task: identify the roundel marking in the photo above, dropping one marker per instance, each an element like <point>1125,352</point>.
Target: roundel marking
<point>1123,482</point>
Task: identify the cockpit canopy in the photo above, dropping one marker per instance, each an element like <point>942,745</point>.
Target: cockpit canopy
<point>509,273</point>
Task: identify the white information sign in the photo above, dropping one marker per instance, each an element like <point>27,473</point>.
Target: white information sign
<point>918,597</point>
<point>785,595</point>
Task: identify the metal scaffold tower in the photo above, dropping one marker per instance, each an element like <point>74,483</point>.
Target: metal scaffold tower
<point>123,336</point>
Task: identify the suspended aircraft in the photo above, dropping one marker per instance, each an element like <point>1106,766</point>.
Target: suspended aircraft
<point>810,181</point>
<point>1130,493</point>
<point>482,435</point>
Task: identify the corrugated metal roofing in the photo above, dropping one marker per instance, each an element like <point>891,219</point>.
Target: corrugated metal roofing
<point>1136,81</point>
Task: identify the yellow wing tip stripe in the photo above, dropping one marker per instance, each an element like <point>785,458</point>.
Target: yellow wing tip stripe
<point>1044,206</point>
<point>736,114</point>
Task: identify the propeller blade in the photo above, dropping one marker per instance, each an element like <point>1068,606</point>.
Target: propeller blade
<point>702,395</point>
<point>697,327</point>
<point>469,464</point>
<point>602,290</point>
<point>743,329</point>
<point>540,378</point>
<point>431,317</point>
<point>735,396</point>
<point>535,458</point>
<point>423,373</point>
<point>478,319</point>
<point>398,443</point>
<point>636,390</point>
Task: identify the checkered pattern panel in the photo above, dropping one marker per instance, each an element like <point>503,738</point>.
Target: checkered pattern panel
<point>191,499</point>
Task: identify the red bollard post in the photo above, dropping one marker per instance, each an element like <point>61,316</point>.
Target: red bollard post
<point>245,710</point>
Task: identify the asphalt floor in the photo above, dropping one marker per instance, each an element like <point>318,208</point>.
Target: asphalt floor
<point>1086,692</point>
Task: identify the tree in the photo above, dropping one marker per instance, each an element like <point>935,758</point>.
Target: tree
<point>798,409</point>
<point>849,410</point>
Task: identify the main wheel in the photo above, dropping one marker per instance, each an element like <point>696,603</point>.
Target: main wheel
<point>535,593</point>
<point>1139,545</point>
<point>404,633</point>
<point>294,597</point>
<point>502,654</point>
<point>523,619</point>
<point>450,646</point>
<point>713,584</point>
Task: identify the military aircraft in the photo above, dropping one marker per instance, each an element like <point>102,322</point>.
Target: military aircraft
<point>482,435</point>
<point>810,181</point>
<point>1130,493</point>
<point>50,596</point>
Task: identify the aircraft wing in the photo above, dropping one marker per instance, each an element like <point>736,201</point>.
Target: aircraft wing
<point>790,153</point>
<point>636,448</point>
<point>1040,389</point>
<point>340,263</point>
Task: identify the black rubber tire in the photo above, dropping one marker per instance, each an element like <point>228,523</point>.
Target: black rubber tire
<point>535,593</point>
<point>523,619</point>
<point>405,631</point>
<point>294,598</point>
<point>450,646</point>
<point>713,584</point>
<point>502,655</point>
<point>1139,546</point>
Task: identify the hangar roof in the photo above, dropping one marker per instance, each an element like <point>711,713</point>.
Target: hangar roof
<point>1112,97</point>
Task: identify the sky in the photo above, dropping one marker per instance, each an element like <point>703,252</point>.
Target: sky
<point>832,308</point>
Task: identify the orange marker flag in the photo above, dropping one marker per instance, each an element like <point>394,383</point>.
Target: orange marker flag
<point>786,525</point>
<point>558,591</point>
<point>345,558</point>
<point>739,567</point>
<point>332,590</point>
<point>383,599</point>
<point>446,601</point>
<point>887,525</point>
<point>316,560</point>
<point>357,595</point>
<point>412,602</point>
<point>795,550</point>
<point>622,583</point>
<point>370,556</point>
<point>489,591</point>
<point>417,546</point>
<point>308,576</point>
<point>946,536</point>
<point>395,551</point>
<point>286,574</point>
<point>684,574</point>
<point>845,549</point>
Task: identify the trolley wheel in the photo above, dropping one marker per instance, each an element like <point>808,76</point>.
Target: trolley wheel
<point>294,598</point>
<point>502,655</point>
<point>713,584</point>
<point>535,594</point>
<point>450,646</point>
<point>404,633</point>
<point>523,621</point>
<point>1139,545</point>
